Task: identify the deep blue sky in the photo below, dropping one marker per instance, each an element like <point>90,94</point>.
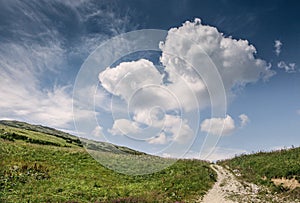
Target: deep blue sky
<point>260,22</point>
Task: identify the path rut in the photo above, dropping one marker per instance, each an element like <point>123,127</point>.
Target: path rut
<point>227,188</point>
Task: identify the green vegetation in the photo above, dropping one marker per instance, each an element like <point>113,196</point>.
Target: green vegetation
<point>40,164</point>
<point>261,167</point>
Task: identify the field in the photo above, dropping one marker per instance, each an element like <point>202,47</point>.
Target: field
<point>40,164</point>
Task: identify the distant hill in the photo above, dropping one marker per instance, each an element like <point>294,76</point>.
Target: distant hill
<point>39,134</point>
<point>42,164</point>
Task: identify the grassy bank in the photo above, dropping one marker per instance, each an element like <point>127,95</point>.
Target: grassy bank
<point>263,167</point>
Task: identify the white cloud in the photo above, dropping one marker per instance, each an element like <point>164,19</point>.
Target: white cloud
<point>124,127</point>
<point>160,139</point>
<point>22,67</point>
<point>36,57</point>
<point>177,127</point>
<point>223,126</point>
<point>194,42</point>
<point>129,77</point>
<point>170,128</point>
<point>298,111</point>
<point>24,70</point>
<point>244,119</point>
<point>143,87</point>
<point>218,126</point>
<point>234,60</point>
<point>97,132</point>
<point>289,68</point>
<point>180,129</point>
<point>277,46</point>
<point>53,108</point>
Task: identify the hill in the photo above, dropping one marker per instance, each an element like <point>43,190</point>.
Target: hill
<point>278,171</point>
<point>41,164</point>
<point>49,136</point>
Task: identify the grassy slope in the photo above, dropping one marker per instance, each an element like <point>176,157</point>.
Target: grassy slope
<point>261,167</point>
<point>49,168</point>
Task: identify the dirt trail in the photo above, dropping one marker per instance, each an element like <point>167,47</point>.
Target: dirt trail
<point>228,186</point>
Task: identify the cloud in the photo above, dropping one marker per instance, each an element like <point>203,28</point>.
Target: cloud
<point>277,46</point>
<point>192,42</point>
<point>218,126</point>
<point>129,77</point>
<point>22,67</point>
<point>223,126</point>
<point>244,120</point>
<point>180,129</point>
<point>39,60</point>
<point>234,59</point>
<point>289,68</point>
<point>53,108</point>
<point>97,132</point>
<point>168,129</point>
<point>160,139</point>
<point>124,127</point>
<point>181,85</point>
<point>298,111</point>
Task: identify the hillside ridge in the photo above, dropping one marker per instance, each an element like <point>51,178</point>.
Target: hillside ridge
<point>69,139</point>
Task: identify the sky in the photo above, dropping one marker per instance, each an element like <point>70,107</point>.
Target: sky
<point>195,79</point>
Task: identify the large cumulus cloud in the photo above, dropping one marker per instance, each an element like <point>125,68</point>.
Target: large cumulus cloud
<point>194,42</point>
<point>188,54</point>
<point>190,44</point>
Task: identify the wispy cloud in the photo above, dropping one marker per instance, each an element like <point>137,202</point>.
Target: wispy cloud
<point>277,46</point>
<point>41,50</point>
<point>244,120</point>
<point>289,68</point>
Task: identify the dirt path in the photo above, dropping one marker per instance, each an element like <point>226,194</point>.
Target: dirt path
<point>228,189</point>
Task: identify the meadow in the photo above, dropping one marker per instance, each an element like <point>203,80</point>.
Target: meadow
<point>40,164</point>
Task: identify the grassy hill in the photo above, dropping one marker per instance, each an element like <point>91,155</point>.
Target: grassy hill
<point>41,164</point>
<point>275,170</point>
<point>49,136</point>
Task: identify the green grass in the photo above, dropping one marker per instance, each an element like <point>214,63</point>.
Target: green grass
<point>261,167</point>
<point>67,173</point>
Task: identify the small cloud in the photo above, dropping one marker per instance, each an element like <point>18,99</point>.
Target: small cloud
<point>218,126</point>
<point>124,127</point>
<point>244,120</point>
<point>277,46</point>
<point>160,139</point>
<point>289,68</point>
<point>298,111</point>
<point>97,132</point>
